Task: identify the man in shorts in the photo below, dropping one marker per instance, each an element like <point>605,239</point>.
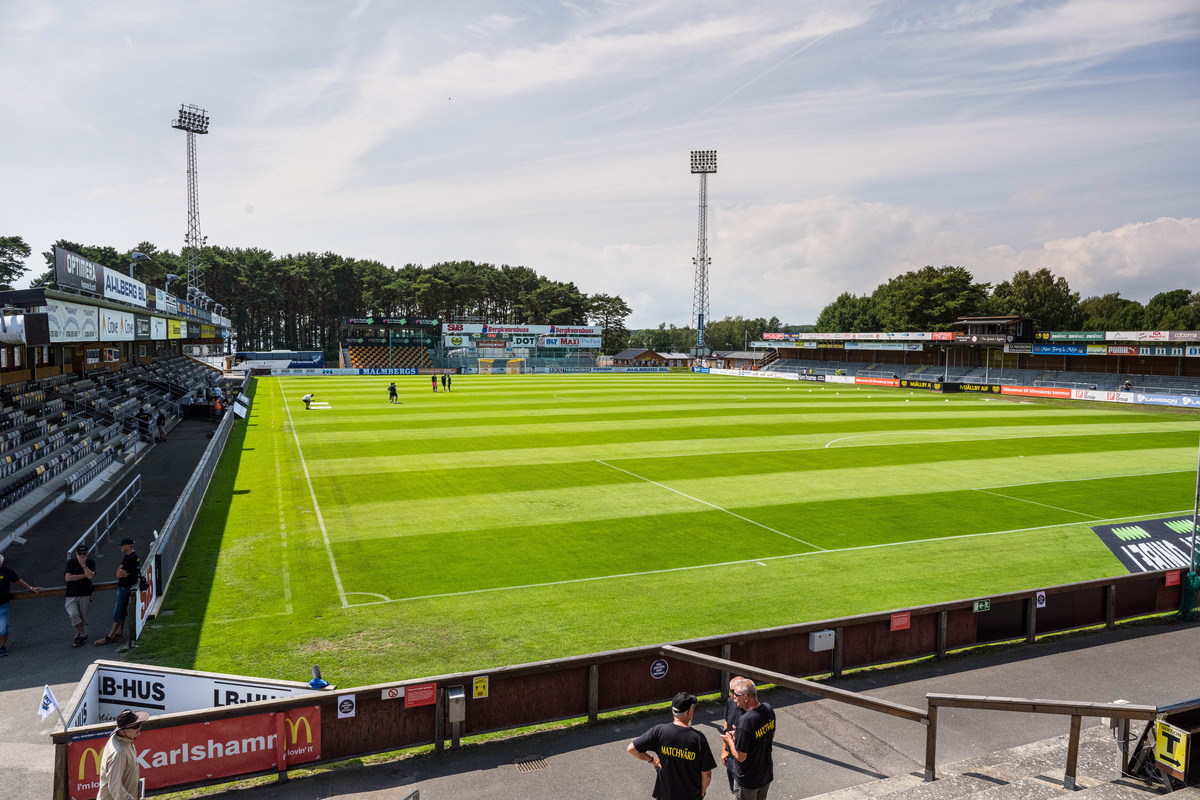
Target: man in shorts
<point>683,768</point>
<point>79,574</point>
<point>307,400</point>
<point>8,577</point>
<point>392,398</point>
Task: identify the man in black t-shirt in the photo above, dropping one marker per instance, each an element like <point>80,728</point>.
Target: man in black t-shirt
<point>732,715</point>
<point>685,761</point>
<point>750,744</point>
<point>127,581</point>
<point>79,573</point>
<point>8,578</point>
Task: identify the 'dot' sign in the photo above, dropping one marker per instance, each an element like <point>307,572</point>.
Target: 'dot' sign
<point>901,621</point>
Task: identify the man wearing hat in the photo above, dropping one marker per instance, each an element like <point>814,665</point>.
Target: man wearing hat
<point>685,762</point>
<point>119,772</point>
<point>127,580</point>
<point>79,574</point>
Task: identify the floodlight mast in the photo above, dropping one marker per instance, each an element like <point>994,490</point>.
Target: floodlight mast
<point>192,120</point>
<point>703,163</point>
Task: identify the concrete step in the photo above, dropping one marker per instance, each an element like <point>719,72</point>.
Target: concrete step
<point>876,788</point>
<point>946,788</point>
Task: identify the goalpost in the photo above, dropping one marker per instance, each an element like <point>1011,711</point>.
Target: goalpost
<point>501,366</point>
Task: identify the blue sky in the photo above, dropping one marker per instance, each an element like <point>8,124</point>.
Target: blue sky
<point>856,140</point>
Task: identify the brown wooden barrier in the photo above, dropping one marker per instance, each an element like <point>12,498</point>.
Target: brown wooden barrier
<point>529,694</point>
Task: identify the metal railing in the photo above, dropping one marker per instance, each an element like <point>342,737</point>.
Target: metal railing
<point>111,516</point>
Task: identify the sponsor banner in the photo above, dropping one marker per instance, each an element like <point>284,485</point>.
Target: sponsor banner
<point>1192,351</point>
<point>116,326</point>
<point>878,381</point>
<point>1097,349</point>
<point>1150,545</point>
<point>1037,391</point>
<point>1060,349</point>
<point>680,369</point>
<point>524,340</point>
<point>158,328</point>
<point>141,326</point>
<point>783,337</point>
<point>1018,347</point>
<point>1138,336</point>
<point>208,332</point>
<point>535,330</point>
<point>942,336</point>
<point>161,691</point>
<point>638,369</point>
<point>908,384</point>
<point>420,322</point>
<point>76,272</point>
<point>564,370</point>
<point>164,301</point>
<point>980,388</point>
<point>985,338</point>
<point>376,371</point>
<point>205,751</point>
<point>830,345</point>
<point>174,329</point>
<point>1159,350</point>
<point>1122,350</point>
<point>904,346</point>
<point>124,289</point>
<point>1069,336</point>
<point>1096,395</point>
<point>589,341</point>
<point>567,341</point>
<point>1185,336</point>
<point>1178,401</point>
<point>458,340</point>
<point>307,363</point>
<point>839,379</point>
<point>70,322</point>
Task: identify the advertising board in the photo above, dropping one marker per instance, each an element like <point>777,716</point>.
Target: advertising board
<point>1069,336</point>
<point>980,388</point>
<point>942,336</point>
<point>70,322</point>
<point>1138,336</point>
<point>208,332</point>
<point>1185,336</point>
<point>124,289</point>
<point>909,384</point>
<point>1018,347</point>
<point>877,381</point>
<point>1122,350</point>
<point>1060,349</point>
<point>1037,391</point>
<point>1160,350</point>
<point>141,326</point>
<point>174,329</point>
<point>534,330</point>
<point>158,328</point>
<point>984,338</point>
<point>73,271</point>
<point>204,751</point>
<point>909,347</point>
<point>1098,396</point>
<point>116,326</point>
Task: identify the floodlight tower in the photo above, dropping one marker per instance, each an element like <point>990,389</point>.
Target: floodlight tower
<point>192,120</point>
<point>703,162</point>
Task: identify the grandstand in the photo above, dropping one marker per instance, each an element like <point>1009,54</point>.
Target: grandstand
<point>380,356</point>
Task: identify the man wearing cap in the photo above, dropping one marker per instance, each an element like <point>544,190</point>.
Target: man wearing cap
<point>8,576</point>
<point>79,574</point>
<point>685,762</point>
<point>750,744</point>
<point>119,772</point>
<point>127,579</point>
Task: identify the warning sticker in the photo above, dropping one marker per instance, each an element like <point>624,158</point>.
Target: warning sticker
<point>1150,545</point>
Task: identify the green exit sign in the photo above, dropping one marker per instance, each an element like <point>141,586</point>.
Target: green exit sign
<point>982,605</point>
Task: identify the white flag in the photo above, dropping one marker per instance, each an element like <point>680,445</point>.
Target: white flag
<point>48,703</point>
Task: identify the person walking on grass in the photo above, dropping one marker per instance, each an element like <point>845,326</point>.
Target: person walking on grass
<point>79,574</point>
<point>749,744</point>
<point>392,398</point>
<point>8,577</point>
<point>684,765</point>
<point>127,580</point>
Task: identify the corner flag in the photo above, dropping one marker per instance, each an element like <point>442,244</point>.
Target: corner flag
<point>48,703</point>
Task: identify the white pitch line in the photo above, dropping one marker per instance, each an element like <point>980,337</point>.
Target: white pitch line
<point>287,575</point>
<point>711,505</point>
<point>1098,478</point>
<point>1036,503</point>
<point>758,560</point>
<point>337,578</point>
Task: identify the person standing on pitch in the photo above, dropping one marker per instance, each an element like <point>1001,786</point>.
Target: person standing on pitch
<point>449,378</point>
<point>434,377</point>
<point>8,576</point>
<point>79,574</point>
<point>392,398</point>
<point>119,770</point>
<point>750,744</point>
<point>444,387</point>
<point>732,714</point>
<point>685,762</point>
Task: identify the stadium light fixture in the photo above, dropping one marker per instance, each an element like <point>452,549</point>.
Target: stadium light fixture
<point>704,161</point>
<point>191,119</point>
<point>171,276</point>
<point>137,258</point>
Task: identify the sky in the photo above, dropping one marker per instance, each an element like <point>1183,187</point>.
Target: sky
<point>856,139</point>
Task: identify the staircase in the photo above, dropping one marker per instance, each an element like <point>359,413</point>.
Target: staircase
<point>1028,772</point>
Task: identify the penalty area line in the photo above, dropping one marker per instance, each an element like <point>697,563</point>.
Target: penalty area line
<point>758,561</point>
<point>337,578</point>
<point>711,505</point>
<point>1036,503</point>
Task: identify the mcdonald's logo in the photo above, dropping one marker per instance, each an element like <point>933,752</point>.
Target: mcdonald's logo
<point>95,754</point>
<point>294,727</point>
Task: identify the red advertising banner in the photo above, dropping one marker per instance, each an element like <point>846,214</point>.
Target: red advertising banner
<point>205,751</point>
<point>943,336</point>
<point>878,381</point>
<point>1037,391</point>
<point>1122,350</point>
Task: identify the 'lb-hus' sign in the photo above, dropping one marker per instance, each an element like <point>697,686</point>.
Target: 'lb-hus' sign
<point>73,271</point>
<point>204,751</point>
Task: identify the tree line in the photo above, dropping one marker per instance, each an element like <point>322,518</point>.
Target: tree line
<point>932,298</point>
<point>297,301</point>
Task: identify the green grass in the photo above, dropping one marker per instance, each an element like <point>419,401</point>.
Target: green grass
<point>522,518</point>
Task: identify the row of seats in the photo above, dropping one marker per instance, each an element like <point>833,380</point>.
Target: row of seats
<point>381,356</point>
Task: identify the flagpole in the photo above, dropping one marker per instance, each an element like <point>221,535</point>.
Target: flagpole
<point>1195,514</point>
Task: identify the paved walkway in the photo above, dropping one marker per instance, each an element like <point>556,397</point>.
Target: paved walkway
<point>40,641</point>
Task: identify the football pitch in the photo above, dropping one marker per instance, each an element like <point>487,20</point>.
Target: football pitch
<point>520,518</point>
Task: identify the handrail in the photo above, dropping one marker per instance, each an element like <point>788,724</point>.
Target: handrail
<point>122,504</point>
<point>1076,710</point>
<point>811,687</point>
